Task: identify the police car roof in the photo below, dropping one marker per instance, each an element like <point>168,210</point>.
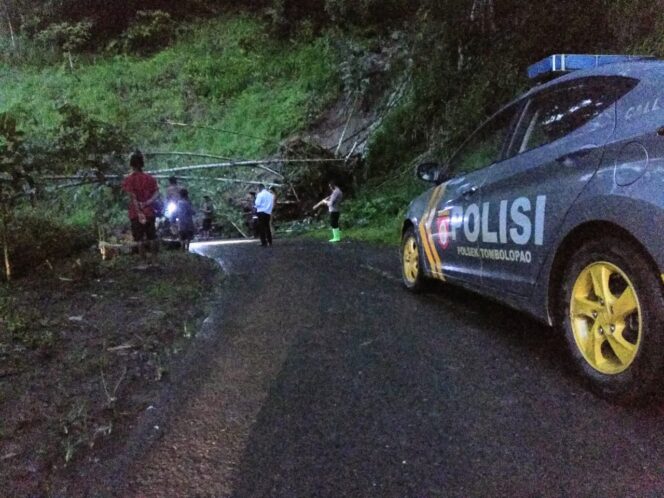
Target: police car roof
<point>641,68</point>
<point>557,64</point>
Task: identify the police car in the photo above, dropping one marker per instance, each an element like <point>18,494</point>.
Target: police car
<point>555,206</point>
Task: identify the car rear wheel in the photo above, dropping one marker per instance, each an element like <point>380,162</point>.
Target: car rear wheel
<point>412,273</point>
<point>612,318</point>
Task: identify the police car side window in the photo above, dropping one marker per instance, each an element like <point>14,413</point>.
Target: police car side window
<point>555,114</point>
<point>486,145</point>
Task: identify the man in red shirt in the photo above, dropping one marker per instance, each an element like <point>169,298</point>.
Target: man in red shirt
<point>143,191</point>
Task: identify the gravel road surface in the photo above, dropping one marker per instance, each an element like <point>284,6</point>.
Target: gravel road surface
<point>320,376</point>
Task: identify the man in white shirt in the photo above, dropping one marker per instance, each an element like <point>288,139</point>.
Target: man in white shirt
<point>264,205</point>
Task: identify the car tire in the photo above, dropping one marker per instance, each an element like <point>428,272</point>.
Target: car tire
<point>612,316</point>
<point>412,274</point>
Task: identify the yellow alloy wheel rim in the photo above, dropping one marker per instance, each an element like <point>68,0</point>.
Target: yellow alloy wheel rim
<point>606,318</point>
<point>411,265</point>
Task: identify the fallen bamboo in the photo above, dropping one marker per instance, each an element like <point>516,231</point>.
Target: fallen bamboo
<point>237,164</point>
<point>94,178</point>
<point>88,180</point>
<point>187,154</point>
<point>238,229</point>
<point>220,130</point>
<point>221,179</point>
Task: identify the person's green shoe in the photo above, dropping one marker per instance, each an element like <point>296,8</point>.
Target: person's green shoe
<point>336,235</point>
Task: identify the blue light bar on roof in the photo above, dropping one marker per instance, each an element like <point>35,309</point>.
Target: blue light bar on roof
<point>563,63</point>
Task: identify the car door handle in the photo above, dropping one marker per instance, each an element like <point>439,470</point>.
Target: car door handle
<point>571,158</point>
<point>470,191</point>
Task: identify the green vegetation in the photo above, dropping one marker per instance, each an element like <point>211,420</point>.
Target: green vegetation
<point>225,74</point>
<point>375,215</point>
<point>221,74</point>
<point>266,69</point>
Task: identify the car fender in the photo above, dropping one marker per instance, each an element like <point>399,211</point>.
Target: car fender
<point>413,217</point>
<point>625,216</point>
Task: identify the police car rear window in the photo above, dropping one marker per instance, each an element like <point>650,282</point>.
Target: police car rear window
<point>557,112</point>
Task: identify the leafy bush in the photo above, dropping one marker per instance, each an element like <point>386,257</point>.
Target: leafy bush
<point>401,138</point>
<point>85,143</point>
<point>36,236</point>
<point>289,16</point>
<point>68,37</point>
<point>149,31</point>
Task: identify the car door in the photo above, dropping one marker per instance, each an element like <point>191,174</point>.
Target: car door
<point>451,223</point>
<point>556,148</point>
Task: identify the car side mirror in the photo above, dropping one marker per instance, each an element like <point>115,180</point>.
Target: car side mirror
<point>433,172</point>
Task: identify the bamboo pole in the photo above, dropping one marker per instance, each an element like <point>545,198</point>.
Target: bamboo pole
<point>244,163</point>
<point>220,130</point>
<point>238,229</point>
<point>221,179</point>
<point>5,246</point>
<point>91,181</point>
<point>187,154</point>
<point>343,133</point>
<point>92,178</point>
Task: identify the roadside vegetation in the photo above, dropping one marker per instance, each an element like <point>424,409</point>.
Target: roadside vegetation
<point>221,74</point>
<point>265,70</point>
<point>84,349</point>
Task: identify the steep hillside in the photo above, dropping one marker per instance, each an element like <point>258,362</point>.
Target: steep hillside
<point>225,74</point>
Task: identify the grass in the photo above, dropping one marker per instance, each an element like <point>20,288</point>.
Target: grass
<point>376,213</point>
<point>225,74</point>
<point>385,233</point>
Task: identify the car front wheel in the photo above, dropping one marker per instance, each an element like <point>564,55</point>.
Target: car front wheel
<point>612,318</point>
<point>412,273</point>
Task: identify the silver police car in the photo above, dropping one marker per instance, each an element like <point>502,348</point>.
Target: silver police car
<point>555,206</point>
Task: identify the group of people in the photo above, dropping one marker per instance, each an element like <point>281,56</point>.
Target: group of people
<point>143,192</point>
<point>264,205</point>
<point>180,213</point>
<point>145,206</point>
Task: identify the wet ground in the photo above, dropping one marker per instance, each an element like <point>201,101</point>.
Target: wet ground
<point>320,376</point>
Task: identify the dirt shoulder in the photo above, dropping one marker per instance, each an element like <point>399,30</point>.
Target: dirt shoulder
<point>85,349</point>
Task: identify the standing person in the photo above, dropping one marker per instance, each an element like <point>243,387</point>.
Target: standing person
<point>333,202</point>
<point>185,217</point>
<point>208,216</point>
<point>273,191</point>
<point>173,190</point>
<point>143,191</point>
<point>172,198</point>
<point>253,220</point>
<point>264,204</point>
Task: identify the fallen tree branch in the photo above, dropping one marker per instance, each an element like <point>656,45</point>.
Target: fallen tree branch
<point>112,398</point>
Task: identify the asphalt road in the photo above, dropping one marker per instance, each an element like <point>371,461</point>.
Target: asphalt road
<point>327,378</point>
